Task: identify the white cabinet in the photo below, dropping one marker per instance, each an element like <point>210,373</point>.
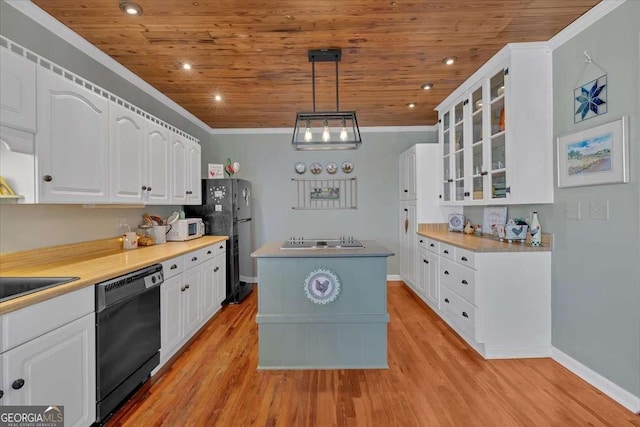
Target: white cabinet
<point>407,230</point>
<point>48,356</point>
<point>127,146</point>
<point>139,149</point>
<point>419,203</point>
<point>17,91</point>
<point>186,185</point>
<point>407,170</point>
<point>57,368</point>
<point>190,295</point>
<point>72,142</point>
<point>495,138</point>
<point>427,266</point>
<point>499,302</point>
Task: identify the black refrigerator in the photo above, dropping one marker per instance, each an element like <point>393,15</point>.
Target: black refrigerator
<point>226,211</point>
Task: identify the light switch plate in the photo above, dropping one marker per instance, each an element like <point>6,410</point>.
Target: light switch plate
<point>572,210</point>
<point>599,210</point>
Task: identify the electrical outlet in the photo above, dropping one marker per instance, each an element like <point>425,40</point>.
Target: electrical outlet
<point>572,210</point>
<point>599,210</point>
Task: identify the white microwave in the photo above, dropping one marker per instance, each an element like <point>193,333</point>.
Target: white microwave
<point>186,229</point>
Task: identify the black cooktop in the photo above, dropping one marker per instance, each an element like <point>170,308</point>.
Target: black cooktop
<point>14,287</point>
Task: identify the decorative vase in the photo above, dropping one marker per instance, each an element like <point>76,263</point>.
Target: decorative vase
<point>536,230</point>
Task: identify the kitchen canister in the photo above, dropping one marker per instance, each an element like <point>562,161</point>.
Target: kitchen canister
<point>159,233</point>
<point>130,240</point>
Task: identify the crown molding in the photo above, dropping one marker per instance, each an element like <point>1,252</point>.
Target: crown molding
<point>585,21</point>
<point>38,15</point>
<point>280,131</point>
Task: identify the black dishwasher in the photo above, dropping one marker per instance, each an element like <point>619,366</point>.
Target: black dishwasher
<point>127,335</point>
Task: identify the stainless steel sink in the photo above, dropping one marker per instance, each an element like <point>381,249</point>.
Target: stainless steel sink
<point>14,287</point>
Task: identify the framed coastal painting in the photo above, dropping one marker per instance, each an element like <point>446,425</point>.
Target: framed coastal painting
<point>595,156</point>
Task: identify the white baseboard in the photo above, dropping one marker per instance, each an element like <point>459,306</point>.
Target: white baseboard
<point>608,387</point>
<point>248,279</point>
<point>516,352</point>
<point>393,277</point>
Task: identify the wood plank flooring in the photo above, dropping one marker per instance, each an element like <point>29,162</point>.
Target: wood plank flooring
<point>434,379</point>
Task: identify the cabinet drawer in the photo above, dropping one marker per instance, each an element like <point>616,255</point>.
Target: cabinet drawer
<point>193,258</point>
<point>30,322</point>
<point>172,267</point>
<point>463,282</point>
<point>466,258</point>
<point>459,311</point>
<point>422,241</point>
<point>207,253</point>
<point>447,251</point>
<point>220,248</point>
<point>433,246</point>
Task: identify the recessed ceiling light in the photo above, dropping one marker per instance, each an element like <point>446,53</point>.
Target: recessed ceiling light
<point>217,97</point>
<point>130,8</point>
<point>411,105</point>
<point>450,60</point>
<point>427,86</point>
<point>186,66</point>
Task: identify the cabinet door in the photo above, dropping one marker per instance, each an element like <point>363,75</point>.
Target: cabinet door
<point>72,143</point>
<point>178,170</point>
<point>432,279</point>
<point>192,296</point>
<point>411,174</point>
<point>127,162</point>
<point>57,368</point>
<point>171,294</point>
<point>408,229</point>
<point>497,131</point>
<point>158,168</point>
<point>445,143</point>
<point>209,278</point>
<point>458,147</point>
<point>221,277</point>
<point>477,150</point>
<point>17,91</point>
<point>194,179</point>
<point>423,271</point>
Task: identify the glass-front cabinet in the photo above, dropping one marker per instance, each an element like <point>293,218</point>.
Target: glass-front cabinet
<point>496,131</point>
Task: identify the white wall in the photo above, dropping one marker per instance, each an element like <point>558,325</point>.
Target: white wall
<point>267,160</point>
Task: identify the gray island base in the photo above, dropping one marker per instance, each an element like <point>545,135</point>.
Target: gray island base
<point>322,308</point>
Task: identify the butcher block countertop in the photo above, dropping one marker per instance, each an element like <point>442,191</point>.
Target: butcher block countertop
<point>92,262</point>
<point>485,243</point>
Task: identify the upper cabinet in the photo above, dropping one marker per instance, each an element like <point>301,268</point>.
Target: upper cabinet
<point>72,142</point>
<point>65,140</point>
<point>18,88</point>
<point>408,174</point>
<point>496,132</point>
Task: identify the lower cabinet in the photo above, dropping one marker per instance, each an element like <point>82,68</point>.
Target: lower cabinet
<point>190,295</point>
<point>499,302</point>
<point>58,368</point>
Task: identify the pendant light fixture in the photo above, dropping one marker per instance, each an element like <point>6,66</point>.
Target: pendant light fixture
<point>326,130</point>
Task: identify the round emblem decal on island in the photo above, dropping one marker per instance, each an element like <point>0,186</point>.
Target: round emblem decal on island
<point>322,286</point>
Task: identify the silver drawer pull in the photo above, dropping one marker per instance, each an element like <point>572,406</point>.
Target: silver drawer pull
<point>446,300</point>
<point>446,251</point>
<point>464,314</point>
<point>464,282</point>
<point>173,267</point>
<point>464,258</point>
<point>446,272</point>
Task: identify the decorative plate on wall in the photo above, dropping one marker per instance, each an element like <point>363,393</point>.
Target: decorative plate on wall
<point>315,168</point>
<point>332,168</point>
<point>322,286</point>
<point>347,167</point>
<point>300,168</point>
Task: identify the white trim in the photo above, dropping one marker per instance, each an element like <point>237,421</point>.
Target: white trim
<point>582,23</point>
<point>278,131</point>
<point>248,279</point>
<point>65,33</point>
<point>393,277</point>
<point>516,352</point>
<point>608,387</point>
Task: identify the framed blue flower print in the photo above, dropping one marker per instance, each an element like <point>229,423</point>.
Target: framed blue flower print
<point>590,99</point>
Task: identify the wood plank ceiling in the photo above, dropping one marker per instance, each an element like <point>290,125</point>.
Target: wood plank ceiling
<point>254,52</point>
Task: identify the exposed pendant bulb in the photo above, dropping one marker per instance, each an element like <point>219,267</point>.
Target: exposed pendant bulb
<point>308,136</point>
<point>325,133</point>
<point>343,133</point>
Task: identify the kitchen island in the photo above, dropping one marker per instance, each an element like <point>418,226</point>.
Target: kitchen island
<point>322,308</point>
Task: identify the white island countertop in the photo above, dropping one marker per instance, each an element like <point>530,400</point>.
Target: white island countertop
<point>371,249</point>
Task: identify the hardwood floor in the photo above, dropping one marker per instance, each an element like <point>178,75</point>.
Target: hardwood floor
<point>433,379</point>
